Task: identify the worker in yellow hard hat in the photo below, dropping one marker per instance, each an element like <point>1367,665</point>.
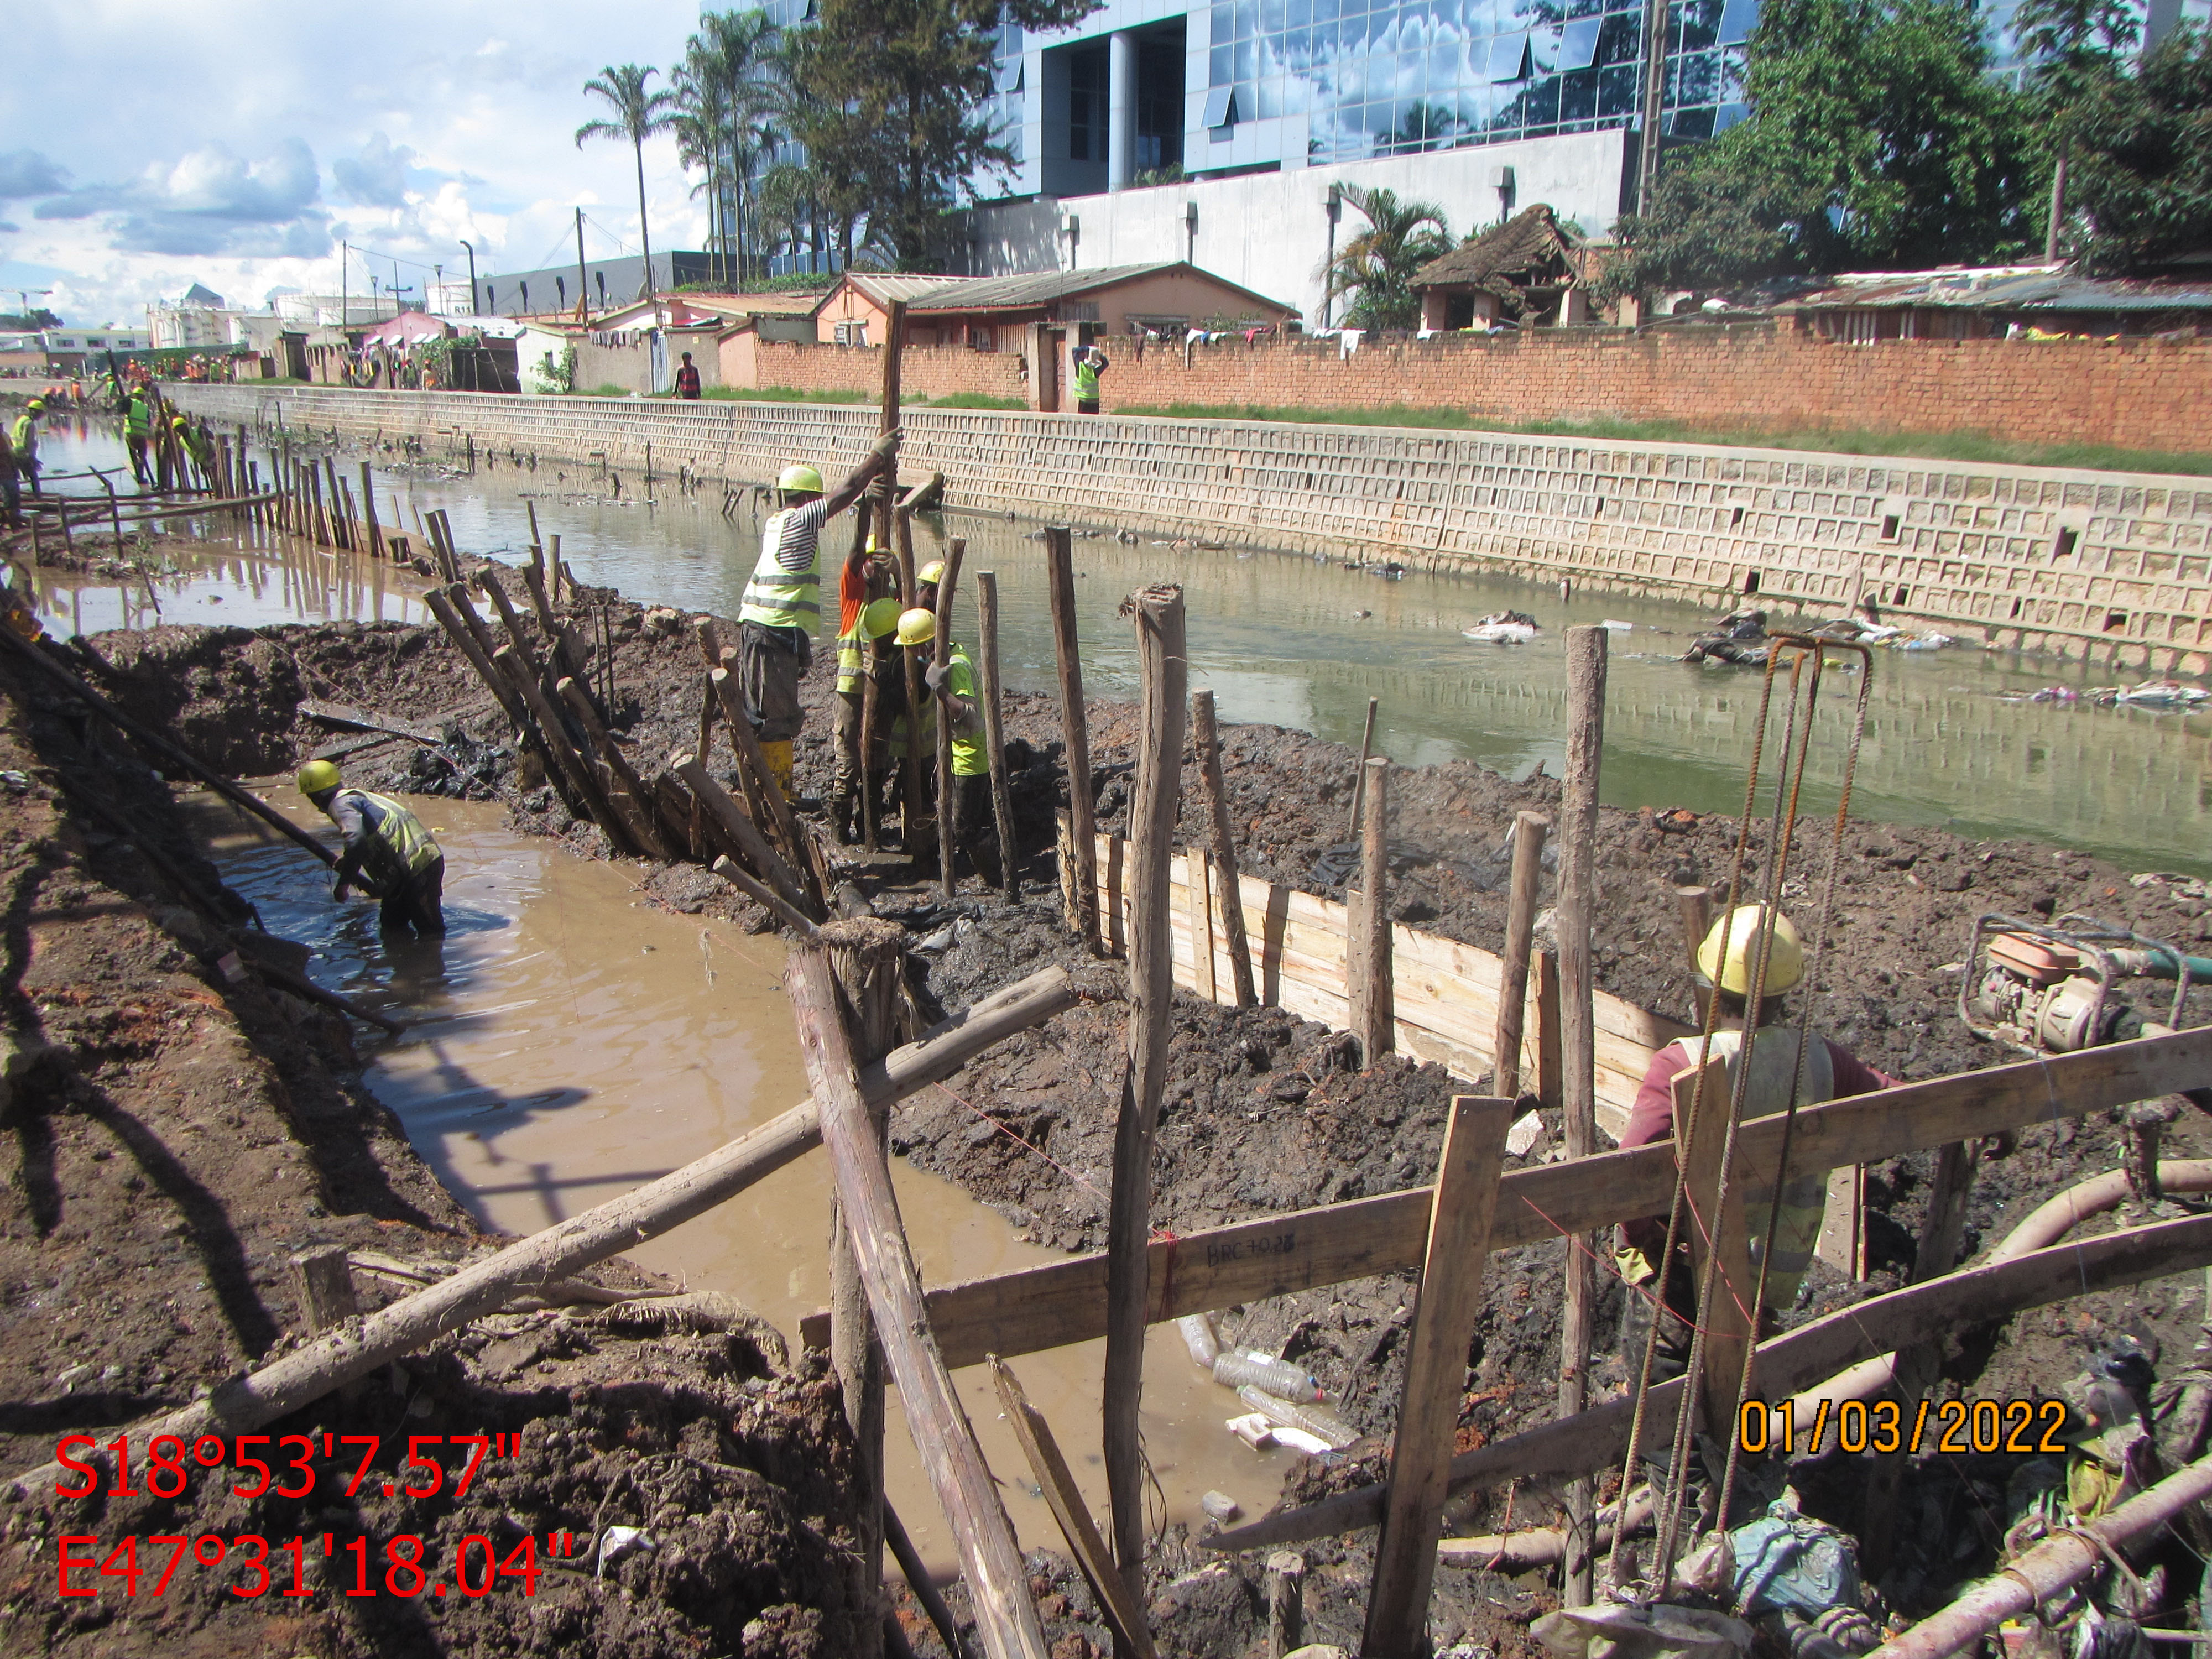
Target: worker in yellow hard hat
<point>388,853</point>
<point>1736,947</point>
<point>875,620</point>
<point>783,601</point>
<point>23,439</point>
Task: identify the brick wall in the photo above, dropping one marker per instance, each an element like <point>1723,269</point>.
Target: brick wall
<point>924,371</point>
<point>2134,394</point>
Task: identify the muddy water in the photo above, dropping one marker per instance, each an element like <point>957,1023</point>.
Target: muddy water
<point>568,1041</point>
<point>1285,639</point>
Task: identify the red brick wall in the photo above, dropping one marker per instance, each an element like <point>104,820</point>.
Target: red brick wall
<point>2134,394</point>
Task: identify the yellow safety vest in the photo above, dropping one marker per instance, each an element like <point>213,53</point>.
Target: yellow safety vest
<point>402,833</point>
<point>852,660</point>
<point>1086,381</point>
<point>970,757</point>
<point>1773,1068</point>
<point>777,598</point>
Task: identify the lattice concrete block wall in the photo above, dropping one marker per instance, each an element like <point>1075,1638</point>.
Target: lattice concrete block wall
<point>2114,566</point>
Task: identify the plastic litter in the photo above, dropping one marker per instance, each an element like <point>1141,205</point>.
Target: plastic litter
<point>1221,1506</point>
<point>616,1542</point>
<point>1254,1430</point>
<point>1656,1632</point>
<point>1198,1336</point>
<point>1785,1560</point>
<point>1277,1376</point>
<point>1325,1425</point>
<point>1525,1133</point>
<point>1611,626</point>
<point>1299,1440</point>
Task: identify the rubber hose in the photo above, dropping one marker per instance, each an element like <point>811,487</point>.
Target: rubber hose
<point>2044,1226</point>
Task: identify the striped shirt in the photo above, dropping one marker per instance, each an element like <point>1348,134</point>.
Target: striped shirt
<point>794,534</point>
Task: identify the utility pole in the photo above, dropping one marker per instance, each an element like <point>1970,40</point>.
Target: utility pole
<point>583,293</point>
<point>1333,206</point>
<point>344,255</point>
<point>466,243</point>
<point>1654,84</point>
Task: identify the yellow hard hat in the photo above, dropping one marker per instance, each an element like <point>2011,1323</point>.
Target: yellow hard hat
<point>1785,957</point>
<point>316,776</point>
<point>878,617</point>
<point>917,626</point>
<point>800,476</point>
<point>931,572</point>
<point>873,548</point>
<point>37,406</point>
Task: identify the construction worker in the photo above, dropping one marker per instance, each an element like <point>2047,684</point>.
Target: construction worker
<point>687,380</point>
<point>24,439</point>
<point>138,428</point>
<point>783,601</point>
<point>874,619</point>
<point>952,687</point>
<point>1089,363</point>
<point>8,483</point>
<point>388,852</point>
<point>193,442</point>
<point>1725,959</point>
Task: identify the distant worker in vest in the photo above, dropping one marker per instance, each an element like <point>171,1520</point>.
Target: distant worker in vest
<point>687,379</point>
<point>1731,952</point>
<point>952,690</point>
<point>1089,363</point>
<point>388,853</point>
<point>24,437</point>
<point>137,427</point>
<point>783,602</point>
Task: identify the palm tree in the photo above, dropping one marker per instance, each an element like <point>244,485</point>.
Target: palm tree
<point>702,128</point>
<point>639,115</point>
<point>730,83</point>
<point>1380,262</point>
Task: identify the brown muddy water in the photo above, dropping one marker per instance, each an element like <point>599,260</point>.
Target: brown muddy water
<point>567,1041</point>
<point>1952,741</point>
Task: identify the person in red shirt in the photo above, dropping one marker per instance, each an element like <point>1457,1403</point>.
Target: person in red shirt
<point>687,379</point>
<point>1829,1072</point>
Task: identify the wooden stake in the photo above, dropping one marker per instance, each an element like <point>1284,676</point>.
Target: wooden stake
<point>998,1583</point>
<point>771,811</point>
<point>1549,1087</point>
<point>326,1286</point>
<point>1359,778</point>
<point>1579,792</point>
<point>994,736</point>
<point>919,1581</point>
<point>1695,905</point>
<point>1065,1498</point>
<point>641,820</point>
<point>1163,667</point>
<point>1286,1572</point>
<point>947,884</point>
<point>762,893</point>
<point>913,815</point>
<point>867,956</point>
<point>368,510</point>
<point>743,832</point>
<point>1367,971</point>
<point>1075,730</point>
<point>1198,916</point>
<point>585,779</point>
<point>1435,1378</point>
<point>1718,1231</point>
<point>1207,738</point>
<point>1528,829</point>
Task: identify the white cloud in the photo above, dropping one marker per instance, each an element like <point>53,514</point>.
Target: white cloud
<point>377,175</point>
<point>209,202</point>
<point>25,172</point>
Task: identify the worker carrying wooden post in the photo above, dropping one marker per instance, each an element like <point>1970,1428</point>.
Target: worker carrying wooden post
<point>1727,958</point>
<point>783,601</point>
<point>867,610</point>
<point>892,715</point>
<point>388,855</point>
<point>951,686</point>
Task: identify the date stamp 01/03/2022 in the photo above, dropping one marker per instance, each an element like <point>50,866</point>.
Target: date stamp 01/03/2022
<point>1886,1427</point>
<point>294,1467</point>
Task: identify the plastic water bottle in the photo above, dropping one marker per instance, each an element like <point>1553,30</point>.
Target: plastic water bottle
<point>1198,1336</point>
<point>1323,1424</point>
<point>1276,1376</point>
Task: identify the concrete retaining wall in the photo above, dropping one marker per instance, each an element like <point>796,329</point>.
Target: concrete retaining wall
<point>2113,566</point>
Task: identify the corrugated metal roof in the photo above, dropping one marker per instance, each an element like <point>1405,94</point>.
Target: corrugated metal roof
<point>883,286</point>
<point>1039,288</point>
<point>2007,287</point>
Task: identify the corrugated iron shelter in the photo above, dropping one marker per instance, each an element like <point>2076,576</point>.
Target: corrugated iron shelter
<point>1166,296</point>
<point>1997,302</point>
<point>1527,271</point>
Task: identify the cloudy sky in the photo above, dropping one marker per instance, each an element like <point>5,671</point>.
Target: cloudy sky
<point>145,147</point>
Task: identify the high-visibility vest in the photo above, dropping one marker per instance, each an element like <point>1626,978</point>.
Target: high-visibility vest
<point>26,435</point>
<point>401,834</point>
<point>777,598</point>
<point>137,417</point>
<point>1086,380</point>
<point>852,657</point>
<point>970,757</point>
<point>1773,1066</point>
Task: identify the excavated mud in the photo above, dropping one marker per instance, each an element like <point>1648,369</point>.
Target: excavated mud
<point>1265,1112</point>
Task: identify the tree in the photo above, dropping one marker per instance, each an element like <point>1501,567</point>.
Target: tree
<point>906,80</point>
<point>1424,126</point>
<point>1877,139</point>
<point>2074,48</point>
<point>1379,263</point>
<point>2142,164</point>
<point>729,86</point>
<point>640,114</point>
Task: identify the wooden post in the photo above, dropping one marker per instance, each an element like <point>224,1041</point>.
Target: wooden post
<point>325,1283</point>
<point>1695,906</point>
<point>1528,829</point>
<point>1699,1147</point>
<point>1578,791</point>
<point>918,1580</point>
<point>643,820</point>
<point>1359,778</point>
<point>1842,1242</point>
<point>871,660</point>
<point>1460,1215</point>
<point>1198,910</point>
<point>742,833</point>
<point>1059,566</point>
<point>1286,1572</point>
<point>947,884</point>
<point>867,956</point>
<point>912,816</point>
<point>1367,971</point>
<point>496,590</point>
<point>998,1583</point>
<point>1207,738</point>
<point>994,736</point>
<point>1065,1498</point>
<point>580,775</point>
<point>1549,1088</point>
<point>771,811</point>
<point>1164,668</point>
<point>368,511</point>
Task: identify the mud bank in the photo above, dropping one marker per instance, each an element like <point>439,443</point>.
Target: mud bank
<point>1265,1112</point>
<point>174,1135</point>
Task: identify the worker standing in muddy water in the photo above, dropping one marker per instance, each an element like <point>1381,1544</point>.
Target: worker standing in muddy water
<point>388,853</point>
<point>24,440</point>
<point>1726,958</point>
<point>783,601</point>
<point>952,684</point>
<point>138,428</point>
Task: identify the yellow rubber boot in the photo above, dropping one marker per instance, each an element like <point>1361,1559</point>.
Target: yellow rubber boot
<point>778,757</point>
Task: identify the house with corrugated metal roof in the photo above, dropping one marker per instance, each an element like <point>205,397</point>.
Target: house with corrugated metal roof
<point>1998,302</point>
